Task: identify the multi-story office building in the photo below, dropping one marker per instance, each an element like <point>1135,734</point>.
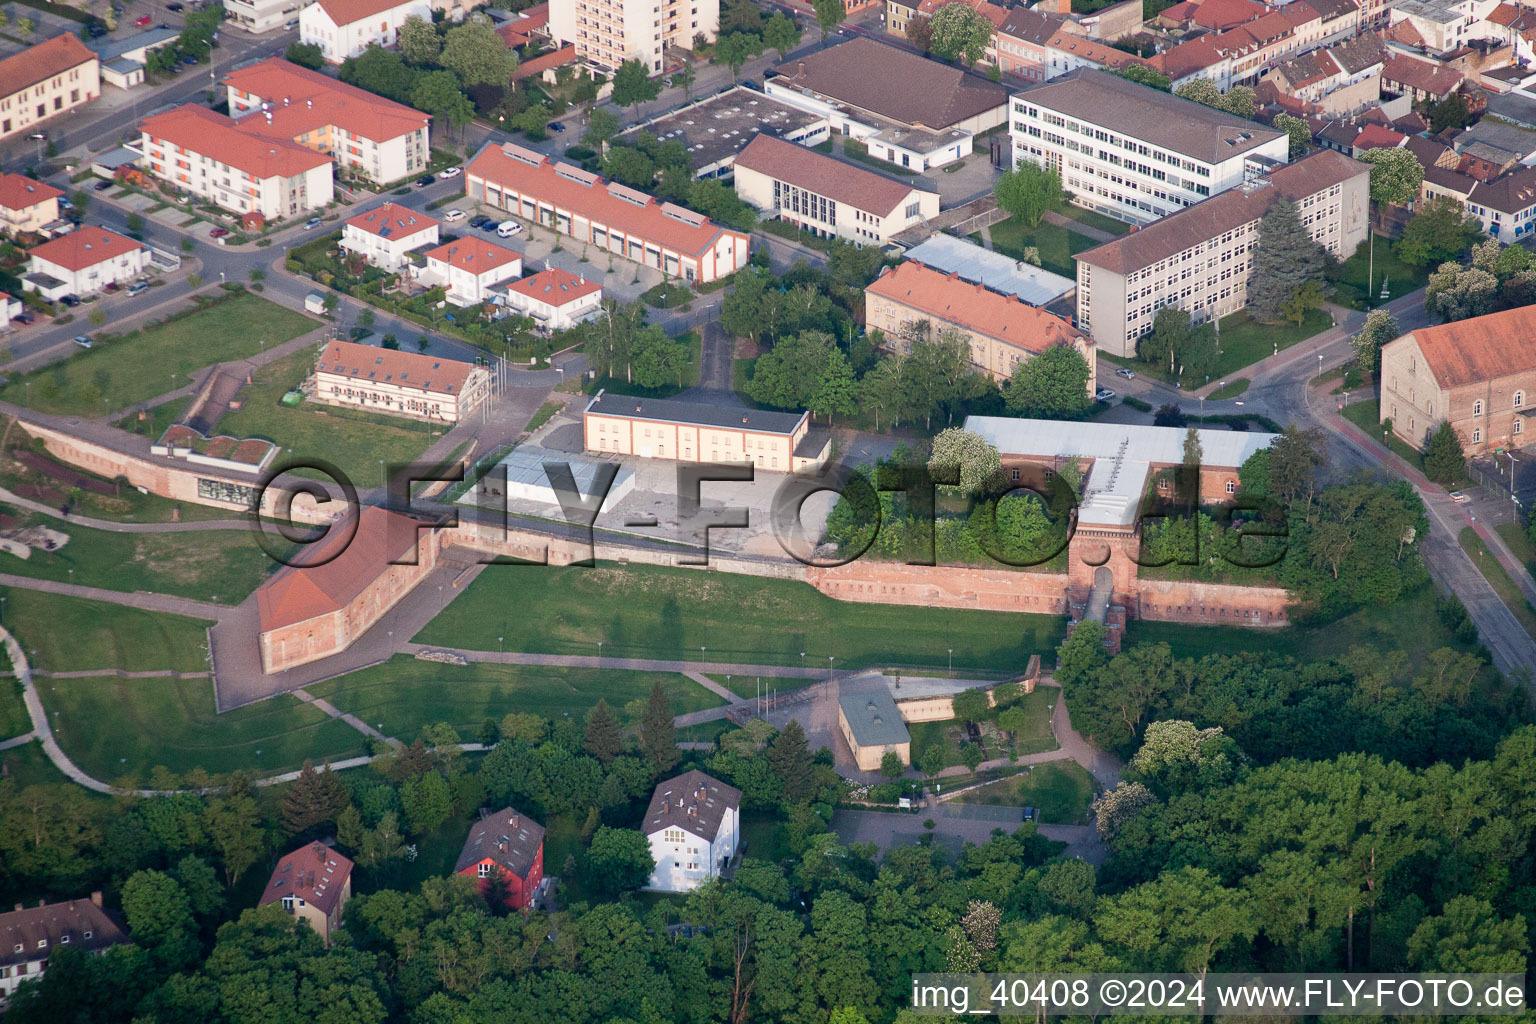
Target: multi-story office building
<point>606,33</point>
<point>1133,152</point>
<point>44,81</point>
<point>1198,259</point>
<point>233,166</point>
<point>828,197</point>
<point>366,135</point>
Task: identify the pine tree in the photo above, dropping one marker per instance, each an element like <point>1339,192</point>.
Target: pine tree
<point>790,757</point>
<point>658,737</point>
<point>1444,460</point>
<point>603,739</point>
<point>1286,258</point>
<point>316,797</point>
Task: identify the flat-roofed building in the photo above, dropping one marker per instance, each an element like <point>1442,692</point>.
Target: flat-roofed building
<point>656,428</point>
<point>1198,259</point>
<point>469,268</point>
<point>399,383</point>
<point>44,81</point>
<point>225,162</point>
<point>366,135</point>
<point>27,204</point>
<point>872,725</point>
<point>715,129</point>
<point>998,271</point>
<point>1133,152</point>
<point>555,298</point>
<point>612,217</point>
<point>83,262</point>
<point>828,197</point>
<point>386,235</point>
<point>1001,331</point>
<point>1478,375</point>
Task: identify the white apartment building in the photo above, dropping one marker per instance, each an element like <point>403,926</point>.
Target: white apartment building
<point>44,81</point>
<point>694,827</point>
<point>30,935</point>
<point>606,33</point>
<point>556,299</point>
<point>386,235</point>
<point>1199,259</point>
<point>234,166</point>
<point>826,196</point>
<point>367,135</point>
<point>345,28</point>
<point>257,16</point>
<point>470,268</point>
<point>82,263</point>
<point>399,383</point>
<point>1133,152</point>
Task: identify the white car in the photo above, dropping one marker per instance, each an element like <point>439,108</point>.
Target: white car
<point>454,214</point>
<point>508,228</point>
<point>1126,372</point>
<point>451,172</point>
<point>1103,395</point>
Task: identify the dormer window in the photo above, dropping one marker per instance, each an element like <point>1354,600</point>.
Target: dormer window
<point>42,943</point>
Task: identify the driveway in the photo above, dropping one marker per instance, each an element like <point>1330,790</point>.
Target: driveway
<point>957,825</point>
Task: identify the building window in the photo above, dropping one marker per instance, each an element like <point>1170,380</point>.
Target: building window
<point>1477,407</point>
<point>1518,427</point>
<point>1477,435</point>
<point>1231,486</point>
<point>1519,399</point>
<point>485,871</point>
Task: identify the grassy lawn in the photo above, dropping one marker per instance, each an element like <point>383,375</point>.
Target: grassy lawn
<point>114,727</point>
<point>100,635</point>
<point>763,834</point>
<point>218,565</point>
<point>667,613</point>
<point>1243,343</point>
<point>13,711</point>
<point>1352,290</point>
<point>354,440</point>
<point>138,366</point>
<point>1091,219</point>
<point>1519,543</point>
<point>1233,389</point>
<point>1367,416</point>
<point>1034,738</point>
<point>1498,578</point>
<point>1061,790</point>
<point>794,234</point>
<point>1057,245</point>
<point>27,765</point>
<point>746,686</point>
<point>543,415</point>
<point>405,694</point>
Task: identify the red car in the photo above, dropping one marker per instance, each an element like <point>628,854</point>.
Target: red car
<point>218,232</point>
<point>145,20</point>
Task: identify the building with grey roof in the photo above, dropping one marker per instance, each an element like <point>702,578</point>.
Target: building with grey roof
<point>716,128</point>
<point>998,271</point>
<point>872,725</point>
<point>693,824</point>
<point>30,935</point>
<point>123,60</point>
<point>1133,152</point>
<point>661,428</point>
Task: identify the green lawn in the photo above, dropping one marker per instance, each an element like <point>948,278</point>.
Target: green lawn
<point>1351,288</point>
<point>543,415</point>
<point>1057,245</point>
<point>666,613</point>
<point>1243,343</point>
<point>763,834</point>
<point>1519,543</point>
<point>69,634</point>
<point>1091,219</point>
<point>114,727</point>
<point>795,234</point>
<point>1061,790</point>
<point>354,441</point>
<point>1233,389</point>
<point>1498,578</point>
<point>950,734</point>
<point>138,366</point>
<point>14,719</point>
<point>747,686</point>
<point>1367,416</point>
<point>405,694</point>
<point>27,765</point>
<point>217,565</point>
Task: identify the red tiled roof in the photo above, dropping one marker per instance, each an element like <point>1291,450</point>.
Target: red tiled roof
<point>84,248</point>
<point>992,12</point>
<point>1180,12</point>
<point>1480,349</point>
<point>1433,79</point>
<point>824,175</point>
<point>538,65</point>
<point>340,568</point>
<point>19,193</point>
<point>201,131</point>
<point>345,12</point>
<point>534,175</point>
<point>1224,14</point>
<point>304,100</point>
<point>554,286</point>
<point>973,307</point>
<point>1374,136</point>
<point>365,364</point>
<point>315,874</point>
<point>1187,58</point>
<point>392,219</point>
<point>519,32</point>
<point>475,255</point>
<point>41,62</point>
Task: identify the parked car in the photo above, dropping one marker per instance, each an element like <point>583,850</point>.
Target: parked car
<point>25,317</point>
<point>38,137</point>
<point>454,214</point>
<point>70,300</point>
<point>189,60</point>
<point>83,341</point>
<point>556,126</point>
<point>424,181</point>
<point>96,31</point>
<point>102,185</point>
<point>1103,395</point>
<point>508,228</point>
<point>175,7</point>
<point>451,172</point>
<point>291,24</point>
<point>65,204</point>
<point>490,225</point>
<point>1031,814</point>
<point>143,21</point>
<point>480,221</point>
<point>1126,372</point>
<point>138,287</point>
<point>218,232</point>
<point>312,223</point>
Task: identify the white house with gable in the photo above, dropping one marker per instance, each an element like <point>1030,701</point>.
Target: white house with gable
<point>345,28</point>
<point>694,828</point>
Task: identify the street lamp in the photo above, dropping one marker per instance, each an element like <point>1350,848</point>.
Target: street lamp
<point>599,650</point>
<point>951,661</point>
<point>701,654</point>
<point>498,645</point>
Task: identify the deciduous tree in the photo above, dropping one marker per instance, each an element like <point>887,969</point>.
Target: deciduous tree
<point>1030,192</point>
<point>1052,385</point>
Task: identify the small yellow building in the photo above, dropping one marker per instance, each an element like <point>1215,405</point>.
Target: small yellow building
<point>871,724</point>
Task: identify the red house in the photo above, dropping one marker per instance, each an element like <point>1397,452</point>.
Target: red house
<point>507,845</point>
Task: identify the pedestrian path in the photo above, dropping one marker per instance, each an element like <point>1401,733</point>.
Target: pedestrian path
<point>342,716</point>
<point>111,526</point>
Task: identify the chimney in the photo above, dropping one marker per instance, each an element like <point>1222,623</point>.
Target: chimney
<point>42,903</point>
<point>19,906</point>
<point>310,104</point>
<point>512,821</point>
<point>800,70</point>
<point>96,897</point>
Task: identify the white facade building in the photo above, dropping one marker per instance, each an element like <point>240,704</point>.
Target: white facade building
<point>399,383</point>
<point>83,262</point>
<point>1133,152</point>
<point>258,16</point>
<point>606,33</point>
<point>469,268</point>
<point>555,298</point>
<point>345,28</point>
<point>386,235</point>
<point>30,935</point>
<point>694,827</point>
